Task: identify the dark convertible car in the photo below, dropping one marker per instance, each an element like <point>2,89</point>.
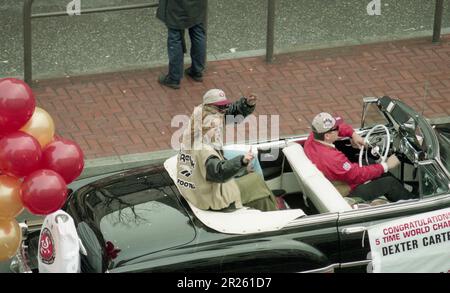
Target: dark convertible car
<point>137,221</point>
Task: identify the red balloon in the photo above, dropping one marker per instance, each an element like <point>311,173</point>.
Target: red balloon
<point>43,192</point>
<point>17,104</point>
<point>64,157</point>
<point>20,154</point>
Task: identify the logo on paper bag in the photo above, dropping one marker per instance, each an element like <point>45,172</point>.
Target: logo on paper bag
<point>46,247</point>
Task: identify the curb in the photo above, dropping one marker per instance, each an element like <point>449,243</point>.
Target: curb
<point>328,45</point>
<point>250,53</point>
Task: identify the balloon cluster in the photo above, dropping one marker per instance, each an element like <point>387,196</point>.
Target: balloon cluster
<point>35,167</point>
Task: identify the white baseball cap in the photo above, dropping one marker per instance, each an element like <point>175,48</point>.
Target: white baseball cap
<point>324,122</point>
<point>215,97</point>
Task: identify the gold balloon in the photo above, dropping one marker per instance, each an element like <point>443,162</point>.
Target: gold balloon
<point>10,202</point>
<point>40,126</point>
<point>10,238</point>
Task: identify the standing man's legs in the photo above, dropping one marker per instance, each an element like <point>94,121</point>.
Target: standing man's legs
<point>176,57</point>
<point>198,52</point>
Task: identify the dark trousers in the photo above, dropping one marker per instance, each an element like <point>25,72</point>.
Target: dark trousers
<point>176,55</point>
<point>388,186</point>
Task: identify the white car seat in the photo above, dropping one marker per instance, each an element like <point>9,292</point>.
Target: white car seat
<point>240,221</point>
<point>325,197</point>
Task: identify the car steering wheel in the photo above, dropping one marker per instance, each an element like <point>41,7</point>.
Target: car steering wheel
<point>382,151</point>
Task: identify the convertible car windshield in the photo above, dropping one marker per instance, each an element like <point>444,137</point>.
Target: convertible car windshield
<point>413,127</point>
<point>138,214</point>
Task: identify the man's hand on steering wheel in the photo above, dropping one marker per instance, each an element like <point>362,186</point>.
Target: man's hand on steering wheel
<point>357,141</point>
<point>382,150</point>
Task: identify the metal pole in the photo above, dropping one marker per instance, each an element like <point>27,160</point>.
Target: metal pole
<point>438,20</point>
<point>270,30</point>
<point>206,33</point>
<point>27,29</point>
<point>97,10</point>
<point>27,42</point>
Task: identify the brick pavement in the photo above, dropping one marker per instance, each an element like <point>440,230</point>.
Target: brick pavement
<point>129,112</point>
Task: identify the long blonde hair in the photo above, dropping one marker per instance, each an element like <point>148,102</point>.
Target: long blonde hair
<point>203,119</point>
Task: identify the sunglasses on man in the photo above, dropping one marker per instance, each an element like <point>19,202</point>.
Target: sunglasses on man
<point>336,128</point>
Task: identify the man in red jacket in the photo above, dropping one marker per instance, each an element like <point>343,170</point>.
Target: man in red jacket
<point>320,149</point>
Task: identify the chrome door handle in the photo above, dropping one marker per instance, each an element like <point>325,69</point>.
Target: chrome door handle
<point>353,230</point>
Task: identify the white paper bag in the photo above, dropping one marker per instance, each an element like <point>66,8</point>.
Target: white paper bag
<point>59,245</point>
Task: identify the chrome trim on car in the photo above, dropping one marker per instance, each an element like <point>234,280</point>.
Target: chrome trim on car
<point>355,264</point>
<point>309,220</point>
<point>328,269</point>
<point>19,263</point>
<point>331,268</point>
<point>366,102</point>
<point>353,230</point>
<point>395,207</point>
<point>24,231</point>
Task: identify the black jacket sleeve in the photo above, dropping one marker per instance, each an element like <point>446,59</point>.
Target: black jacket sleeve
<point>240,107</point>
<point>220,171</point>
<point>181,14</point>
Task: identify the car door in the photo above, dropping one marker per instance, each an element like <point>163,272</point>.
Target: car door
<point>352,225</point>
<point>308,244</point>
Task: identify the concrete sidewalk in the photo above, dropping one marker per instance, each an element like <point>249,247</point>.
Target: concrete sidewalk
<point>115,116</point>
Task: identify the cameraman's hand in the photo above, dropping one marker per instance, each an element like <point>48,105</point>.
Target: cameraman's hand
<point>392,162</point>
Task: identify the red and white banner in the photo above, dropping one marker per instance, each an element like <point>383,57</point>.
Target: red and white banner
<point>417,244</point>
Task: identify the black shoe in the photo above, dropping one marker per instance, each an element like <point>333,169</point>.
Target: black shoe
<point>167,81</point>
<point>198,77</point>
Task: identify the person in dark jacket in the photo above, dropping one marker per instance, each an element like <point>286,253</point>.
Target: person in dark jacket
<point>179,15</point>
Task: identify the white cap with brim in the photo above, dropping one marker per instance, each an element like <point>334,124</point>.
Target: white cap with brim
<point>215,97</point>
<point>324,122</point>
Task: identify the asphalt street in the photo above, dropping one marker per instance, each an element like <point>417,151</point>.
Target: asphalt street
<point>136,39</point>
